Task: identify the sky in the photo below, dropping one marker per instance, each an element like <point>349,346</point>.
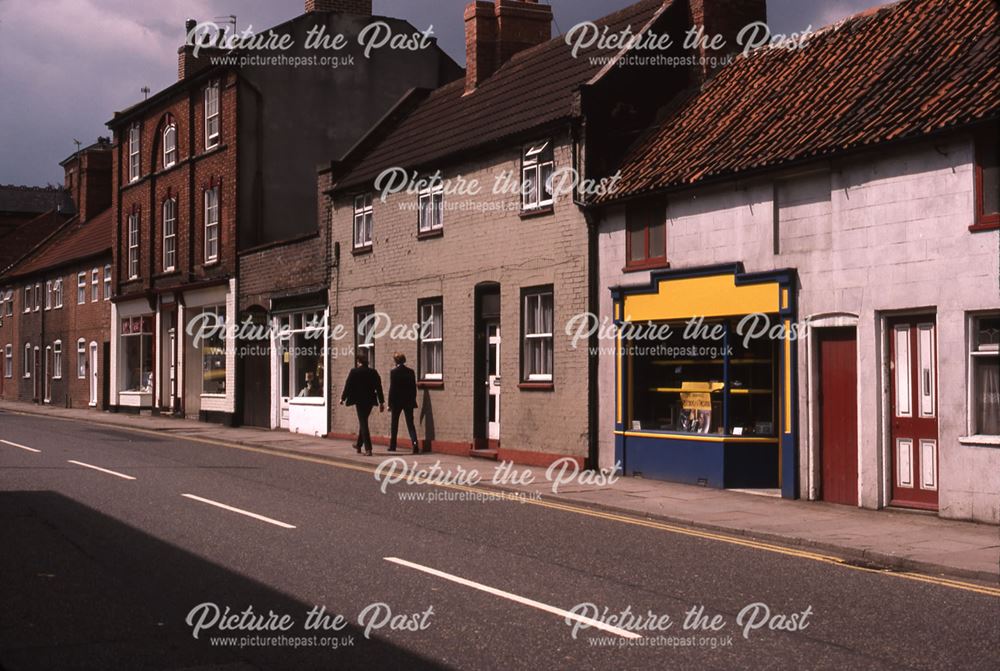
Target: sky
<point>67,65</point>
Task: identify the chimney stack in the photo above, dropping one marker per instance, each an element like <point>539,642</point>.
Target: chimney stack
<point>360,7</point>
<point>91,188</point>
<point>726,18</point>
<point>496,30</point>
<point>187,64</point>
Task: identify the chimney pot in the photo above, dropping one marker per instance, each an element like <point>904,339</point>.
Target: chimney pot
<point>495,30</point>
<point>360,7</point>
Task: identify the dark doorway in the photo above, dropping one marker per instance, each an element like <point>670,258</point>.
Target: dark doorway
<point>256,362</point>
<point>838,409</point>
<point>486,378</point>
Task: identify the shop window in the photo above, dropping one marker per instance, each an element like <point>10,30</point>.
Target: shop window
<point>303,371</point>
<point>646,242</point>
<point>985,372</point>
<point>137,347</point>
<point>363,215</point>
<point>213,352</point>
<point>537,165</point>
<point>987,181</point>
<point>709,382</point>
<point>364,332</point>
<point>431,362</point>
<point>536,346</point>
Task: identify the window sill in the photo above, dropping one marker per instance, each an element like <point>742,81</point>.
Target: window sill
<point>431,234</point>
<point>210,264</point>
<point>430,384</point>
<point>313,401</point>
<point>537,212</point>
<point>165,273</point>
<point>981,441</point>
<point>644,266</point>
<point>213,395</point>
<point>537,386</point>
<point>361,251</point>
<point>990,223</point>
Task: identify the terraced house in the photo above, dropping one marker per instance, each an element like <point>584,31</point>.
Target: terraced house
<point>839,204</point>
<point>220,163</point>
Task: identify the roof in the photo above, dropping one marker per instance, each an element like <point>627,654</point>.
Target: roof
<point>34,199</point>
<point>26,237</point>
<point>534,88</point>
<point>102,144</point>
<point>902,71</point>
<point>74,243</point>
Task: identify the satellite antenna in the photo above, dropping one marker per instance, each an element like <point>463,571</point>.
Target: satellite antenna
<point>145,92</point>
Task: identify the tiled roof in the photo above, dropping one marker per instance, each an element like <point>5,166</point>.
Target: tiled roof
<point>905,70</point>
<point>533,88</point>
<point>34,199</point>
<point>26,237</point>
<point>75,242</point>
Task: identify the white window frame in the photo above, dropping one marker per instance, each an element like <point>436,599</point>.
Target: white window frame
<point>133,153</point>
<point>170,145</point>
<point>10,302</point>
<point>38,296</point>
<point>27,361</point>
<point>133,246</point>
<point>533,304</point>
<point>57,293</point>
<point>220,319</point>
<point>430,209</point>
<point>212,117</point>
<point>107,282</point>
<point>8,361</point>
<point>81,359</point>
<point>27,298</point>
<point>95,285</point>
<point>48,294</point>
<point>977,352</point>
<point>169,235</point>
<point>81,288</point>
<point>365,340</point>
<point>364,212</point>
<point>427,310</point>
<point>57,360</point>
<point>212,225</point>
<point>537,163</point>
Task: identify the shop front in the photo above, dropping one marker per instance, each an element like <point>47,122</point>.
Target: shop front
<point>133,364</point>
<point>705,378</point>
<point>299,370</point>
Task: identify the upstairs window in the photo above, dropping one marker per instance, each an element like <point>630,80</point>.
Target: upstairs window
<point>169,235</point>
<point>646,241</point>
<point>170,145</point>
<point>81,288</point>
<point>536,346</point>
<point>27,298</point>
<point>537,165</point>
<point>133,153</point>
<point>48,294</point>
<point>57,293</point>
<point>363,212</point>
<point>212,225</point>
<point>430,204</point>
<point>95,285</point>
<point>38,297</point>
<point>133,246</point>
<point>431,362</point>
<point>987,181</point>
<point>212,115</point>
<point>107,282</point>
<point>10,300</point>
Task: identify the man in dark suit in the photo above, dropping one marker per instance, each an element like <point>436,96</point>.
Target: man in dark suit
<point>363,390</point>
<point>402,399</point>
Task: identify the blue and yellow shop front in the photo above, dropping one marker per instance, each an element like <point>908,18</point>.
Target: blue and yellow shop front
<point>706,390</point>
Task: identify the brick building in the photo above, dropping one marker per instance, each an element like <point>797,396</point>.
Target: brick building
<point>474,267</point>
<point>54,336</point>
<point>29,215</point>
<point>222,162</point>
<point>858,218</point>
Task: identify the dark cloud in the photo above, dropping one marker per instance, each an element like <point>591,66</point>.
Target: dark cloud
<point>66,65</point>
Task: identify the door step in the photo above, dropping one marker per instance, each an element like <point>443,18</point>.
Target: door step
<point>485,454</point>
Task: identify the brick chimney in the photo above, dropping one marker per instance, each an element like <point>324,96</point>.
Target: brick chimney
<point>88,178</point>
<point>726,18</point>
<point>187,64</point>
<point>360,7</point>
<point>496,30</point>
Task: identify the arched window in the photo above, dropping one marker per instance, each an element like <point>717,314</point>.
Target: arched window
<point>169,144</point>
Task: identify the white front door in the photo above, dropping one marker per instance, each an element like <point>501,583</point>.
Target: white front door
<point>284,363</point>
<point>493,381</point>
<point>172,372</point>
<point>93,374</point>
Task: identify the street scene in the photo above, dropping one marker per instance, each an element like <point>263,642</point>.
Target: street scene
<point>500,334</point>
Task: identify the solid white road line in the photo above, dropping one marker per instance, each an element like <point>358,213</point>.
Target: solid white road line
<point>240,511</point>
<point>102,470</point>
<point>23,447</point>
<point>596,624</point>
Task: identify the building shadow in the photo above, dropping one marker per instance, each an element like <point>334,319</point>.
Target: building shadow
<point>427,420</point>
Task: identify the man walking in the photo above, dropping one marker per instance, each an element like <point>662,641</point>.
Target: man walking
<point>363,390</point>
<point>402,399</point>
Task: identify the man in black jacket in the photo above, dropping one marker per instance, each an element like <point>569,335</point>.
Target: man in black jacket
<point>402,399</point>
<point>363,390</point>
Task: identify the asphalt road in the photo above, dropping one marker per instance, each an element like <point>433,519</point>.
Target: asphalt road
<point>119,568</point>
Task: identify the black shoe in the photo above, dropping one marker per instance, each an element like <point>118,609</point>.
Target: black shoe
<point>391,449</point>
<point>416,449</point>
<point>357,448</point>
<point>368,453</point>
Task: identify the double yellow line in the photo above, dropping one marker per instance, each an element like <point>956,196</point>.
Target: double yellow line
<point>599,514</point>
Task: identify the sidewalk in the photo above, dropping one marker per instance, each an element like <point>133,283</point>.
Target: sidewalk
<point>886,538</point>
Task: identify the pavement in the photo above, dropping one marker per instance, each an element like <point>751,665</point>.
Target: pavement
<point>888,539</point>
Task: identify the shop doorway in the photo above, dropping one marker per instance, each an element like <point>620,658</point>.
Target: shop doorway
<point>488,368</point>
<point>838,414</point>
<point>913,424</point>
<point>256,362</point>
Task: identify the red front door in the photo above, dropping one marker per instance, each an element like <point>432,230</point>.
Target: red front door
<point>838,400</point>
<point>913,412</point>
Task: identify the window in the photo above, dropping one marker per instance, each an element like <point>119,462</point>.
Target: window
<point>27,360</point>
<point>133,246</point>
<point>537,342</point>
<point>213,352</point>
<point>430,204</point>
<point>212,115</point>
<point>38,297</point>
<point>169,234</point>
<point>27,298</point>
<point>170,145</point>
<point>984,368</point>
<point>212,225</point>
<point>536,176</point>
<point>987,180</point>
<point>81,359</point>
<point>57,361</point>
<point>107,282</point>
<point>363,221</point>
<point>95,285</point>
<point>57,293</point>
<point>431,362</point>
<point>10,300</point>
<point>137,349</point>
<point>48,294</point>
<point>81,288</point>
<point>133,153</point>
<point>8,361</point>
<point>364,332</point>
<point>302,371</point>
<point>646,242</point>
